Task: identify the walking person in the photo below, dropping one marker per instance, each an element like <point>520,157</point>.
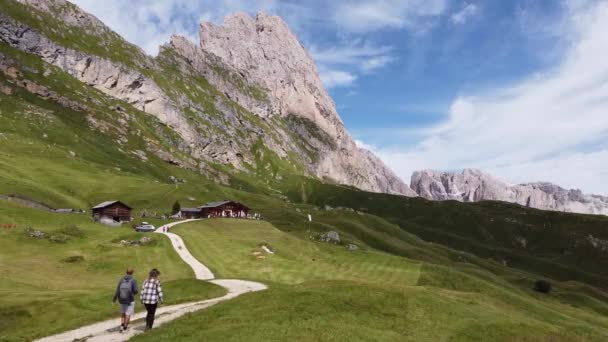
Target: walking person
<point>125,295</point>
<point>151,296</point>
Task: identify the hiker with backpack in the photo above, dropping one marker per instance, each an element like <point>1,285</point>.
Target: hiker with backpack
<point>151,296</point>
<point>125,295</point>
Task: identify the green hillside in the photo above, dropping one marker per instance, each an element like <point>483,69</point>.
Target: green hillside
<point>324,292</point>
<point>423,271</point>
<point>558,245</point>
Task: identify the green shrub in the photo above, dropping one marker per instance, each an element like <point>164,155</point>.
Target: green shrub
<point>543,286</point>
<point>73,259</point>
<point>73,231</point>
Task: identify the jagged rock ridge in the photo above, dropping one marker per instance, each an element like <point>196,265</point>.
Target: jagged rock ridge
<point>472,185</point>
<point>270,75</point>
<point>269,54</point>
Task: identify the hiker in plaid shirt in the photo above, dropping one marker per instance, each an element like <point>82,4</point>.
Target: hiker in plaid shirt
<point>151,296</point>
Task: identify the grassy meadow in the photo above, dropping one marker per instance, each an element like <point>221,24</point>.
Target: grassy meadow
<point>424,271</point>
<point>48,287</point>
<point>320,291</point>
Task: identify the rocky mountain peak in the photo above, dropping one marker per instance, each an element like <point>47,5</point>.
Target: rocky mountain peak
<point>269,55</point>
<point>249,77</point>
<point>70,14</point>
<point>265,49</point>
<point>472,185</point>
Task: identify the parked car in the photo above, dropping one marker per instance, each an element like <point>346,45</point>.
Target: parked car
<point>145,227</point>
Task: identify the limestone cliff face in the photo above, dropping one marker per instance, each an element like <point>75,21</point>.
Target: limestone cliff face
<point>268,54</point>
<point>256,63</point>
<point>472,185</point>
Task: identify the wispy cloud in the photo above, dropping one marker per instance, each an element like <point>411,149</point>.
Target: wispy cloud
<point>149,24</point>
<point>468,11</point>
<point>372,15</point>
<point>336,78</point>
<point>552,126</point>
<point>353,57</point>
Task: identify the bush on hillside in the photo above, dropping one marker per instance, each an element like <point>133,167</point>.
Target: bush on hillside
<point>543,286</point>
<point>59,238</point>
<point>73,231</point>
<point>176,208</point>
<point>74,259</point>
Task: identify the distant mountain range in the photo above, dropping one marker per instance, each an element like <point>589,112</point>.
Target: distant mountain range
<point>473,185</point>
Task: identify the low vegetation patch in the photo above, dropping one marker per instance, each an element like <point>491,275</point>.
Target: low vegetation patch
<point>543,286</point>
<point>73,231</point>
<point>59,238</point>
<point>73,259</point>
<point>135,241</point>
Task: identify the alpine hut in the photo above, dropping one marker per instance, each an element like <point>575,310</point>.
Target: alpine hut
<point>224,208</point>
<point>113,210</point>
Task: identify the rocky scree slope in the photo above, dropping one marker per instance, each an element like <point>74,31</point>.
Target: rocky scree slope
<point>472,185</point>
<point>269,116</point>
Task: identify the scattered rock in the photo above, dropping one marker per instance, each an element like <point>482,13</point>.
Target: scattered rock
<point>145,240</point>
<point>331,237</point>
<point>59,238</point>
<point>352,247</point>
<point>267,249</point>
<point>597,243</point>
<point>141,155</point>
<point>35,233</point>
<point>521,241</point>
<point>72,154</point>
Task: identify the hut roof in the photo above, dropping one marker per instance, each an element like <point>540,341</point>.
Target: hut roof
<point>109,203</point>
<point>190,210</point>
<point>219,203</point>
<point>214,204</point>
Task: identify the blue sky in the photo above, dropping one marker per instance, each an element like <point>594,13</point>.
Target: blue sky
<point>517,88</point>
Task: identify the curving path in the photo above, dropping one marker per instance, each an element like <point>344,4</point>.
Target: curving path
<point>108,330</point>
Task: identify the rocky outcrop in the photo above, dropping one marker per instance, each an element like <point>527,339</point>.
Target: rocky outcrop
<point>472,185</point>
<point>269,55</point>
<point>256,63</point>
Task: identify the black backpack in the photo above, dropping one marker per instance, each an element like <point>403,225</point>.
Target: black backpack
<point>125,291</point>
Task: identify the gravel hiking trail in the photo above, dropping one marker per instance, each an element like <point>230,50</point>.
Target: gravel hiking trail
<point>108,330</point>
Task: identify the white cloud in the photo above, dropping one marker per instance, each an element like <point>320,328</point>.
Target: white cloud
<point>356,56</point>
<point>467,12</point>
<point>149,24</point>
<point>375,63</point>
<point>553,126</point>
<point>372,15</point>
<point>337,78</point>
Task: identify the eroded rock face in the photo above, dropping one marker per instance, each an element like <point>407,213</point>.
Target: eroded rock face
<point>268,54</point>
<point>257,63</point>
<point>472,185</point>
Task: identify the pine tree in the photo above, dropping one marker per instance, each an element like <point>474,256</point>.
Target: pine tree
<point>176,208</point>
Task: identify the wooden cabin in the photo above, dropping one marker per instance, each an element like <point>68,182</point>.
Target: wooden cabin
<point>224,209</point>
<point>113,210</point>
<point>190,213</point>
